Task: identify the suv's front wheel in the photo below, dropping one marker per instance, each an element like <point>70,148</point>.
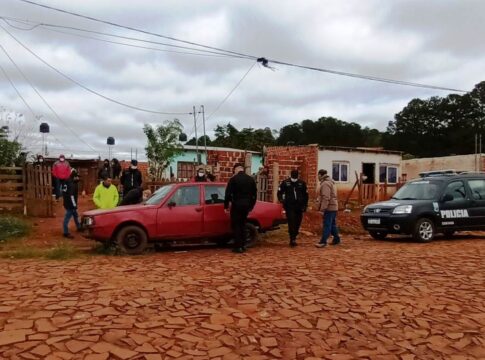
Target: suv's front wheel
<point>424,230</point>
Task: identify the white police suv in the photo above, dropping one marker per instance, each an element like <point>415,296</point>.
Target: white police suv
<point>436,203</point>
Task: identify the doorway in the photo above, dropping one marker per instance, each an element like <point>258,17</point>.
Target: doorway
<point>369,172</point>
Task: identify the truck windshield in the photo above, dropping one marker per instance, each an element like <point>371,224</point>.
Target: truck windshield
<point>159,195</point>
<point>419,190</point>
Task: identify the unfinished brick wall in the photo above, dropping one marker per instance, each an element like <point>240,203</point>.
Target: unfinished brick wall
<point>303,158</point>
<point>223,162</point>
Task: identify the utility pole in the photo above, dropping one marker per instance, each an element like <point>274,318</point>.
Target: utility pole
<point>205,136</point>
<point>196,138</point>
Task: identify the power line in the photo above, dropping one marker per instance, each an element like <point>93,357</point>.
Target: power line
<point>225,98</point>
<point>23,99</point>
<point>230,92</point>
<point>264,61</point>
<point>84,86</point>
<point>364,77</point>
<point>43,99</point>
<point>48,26</point>
<point>134,29</point>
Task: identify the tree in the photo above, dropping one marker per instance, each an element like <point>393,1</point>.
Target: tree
<point>201,141</point>
<point>246,139</point>
<point>163,145</point>
<point>10,151</point>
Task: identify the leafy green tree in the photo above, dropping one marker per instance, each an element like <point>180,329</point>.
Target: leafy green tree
<point>163,145</point>
<point>10,151</point>
<point>201,141</point>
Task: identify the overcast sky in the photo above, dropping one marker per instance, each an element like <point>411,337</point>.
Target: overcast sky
<point>437,42</point>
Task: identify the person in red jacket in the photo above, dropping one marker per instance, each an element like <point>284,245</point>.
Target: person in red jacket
<point>61,171</point>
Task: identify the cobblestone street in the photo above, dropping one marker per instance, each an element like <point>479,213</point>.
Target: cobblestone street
<point>364,299</point>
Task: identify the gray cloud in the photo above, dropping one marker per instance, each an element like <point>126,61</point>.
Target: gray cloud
<point>435,41</point>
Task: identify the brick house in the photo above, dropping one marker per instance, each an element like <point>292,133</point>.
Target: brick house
<point>377,165</point>
<point>219,160</point>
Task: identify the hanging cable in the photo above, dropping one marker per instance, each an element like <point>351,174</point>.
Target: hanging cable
<point>84,86</point>
<point>265,61</point>
<point>134,29</point>
<point>44,100</point>
<point>23,99</point>
<point>47,26</point>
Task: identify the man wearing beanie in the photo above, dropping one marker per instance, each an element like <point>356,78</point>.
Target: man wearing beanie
<point>293,194</point>
<point>131,178</point>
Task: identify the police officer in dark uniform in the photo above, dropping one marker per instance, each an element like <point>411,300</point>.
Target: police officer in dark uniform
<point>241,193</point>
<point>293,194</point>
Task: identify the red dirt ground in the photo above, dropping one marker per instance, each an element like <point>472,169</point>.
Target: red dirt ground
<point>363,299</point>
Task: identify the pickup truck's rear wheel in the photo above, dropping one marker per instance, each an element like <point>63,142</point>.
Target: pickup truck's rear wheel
<point>132,240</point>
<point>378,235</point>
<point>424,230</point>
<point>252,234</point>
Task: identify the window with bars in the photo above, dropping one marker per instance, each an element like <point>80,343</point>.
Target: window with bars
<point>185,170</point>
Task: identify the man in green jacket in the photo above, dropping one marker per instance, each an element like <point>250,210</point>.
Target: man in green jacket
<point>106,194</point>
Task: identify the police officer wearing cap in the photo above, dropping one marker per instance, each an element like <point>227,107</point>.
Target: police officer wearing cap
<point>293,194</point>
<point>241,193</point>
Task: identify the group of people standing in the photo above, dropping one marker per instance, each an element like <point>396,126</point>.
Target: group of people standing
<point>241,196</point>
<point>107,196</point>
<point>293,194</point>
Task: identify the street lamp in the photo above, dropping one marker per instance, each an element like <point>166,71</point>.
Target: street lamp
<point>44,129</point>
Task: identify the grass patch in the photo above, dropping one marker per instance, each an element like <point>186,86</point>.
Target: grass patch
<point>12,227</point>
<point>23,252</point>
<point>62,251</point>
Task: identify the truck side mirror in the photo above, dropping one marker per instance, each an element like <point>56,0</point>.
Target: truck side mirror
<point>171,204</point>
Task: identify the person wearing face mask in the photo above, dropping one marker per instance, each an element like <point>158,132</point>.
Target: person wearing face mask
<point>39,161</point>
<point>70,190</point>
<point>106,194</point>
<point>200,177</point>
<point>61,171</point>
<point>293,194</point>
<point>328,206</point>
<point>104,169</point>
<point>131,177</point>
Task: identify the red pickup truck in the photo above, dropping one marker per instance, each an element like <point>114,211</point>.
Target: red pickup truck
<point>184,212</point>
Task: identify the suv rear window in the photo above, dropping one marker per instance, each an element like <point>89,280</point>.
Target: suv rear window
<point>419,190</point>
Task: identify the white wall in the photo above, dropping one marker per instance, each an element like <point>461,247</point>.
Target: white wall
<point>355,159</point>
<point>470,162</point>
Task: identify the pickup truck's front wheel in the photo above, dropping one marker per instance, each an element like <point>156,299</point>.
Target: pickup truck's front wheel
<point>132,240</point>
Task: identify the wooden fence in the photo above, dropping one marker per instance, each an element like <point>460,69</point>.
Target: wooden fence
<point>38,191</point>
<point>12,189</point>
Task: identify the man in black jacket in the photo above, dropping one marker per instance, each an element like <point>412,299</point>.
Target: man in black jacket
<point>131,178</point>
<point>293,194</point>
<point>241,193</point>
<point>70,196</point>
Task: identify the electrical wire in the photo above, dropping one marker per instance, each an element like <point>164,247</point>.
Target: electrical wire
<point>43,99</point>
<point>231,92</point>
<point>24,101</point>
<point>134,29</point>
<point>48,26</point>
<point>263,60</point>
<point>84,86</point>
<point>364,77</point>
